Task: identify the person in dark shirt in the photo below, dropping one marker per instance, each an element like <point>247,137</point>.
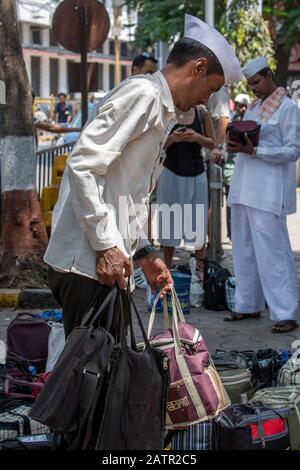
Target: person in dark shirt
<point>63,110</point>
<point>184,181</point>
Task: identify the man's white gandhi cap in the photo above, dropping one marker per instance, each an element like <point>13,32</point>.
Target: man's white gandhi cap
<point>211,38</point>
<point>254,66</point>
<point>242,98</point>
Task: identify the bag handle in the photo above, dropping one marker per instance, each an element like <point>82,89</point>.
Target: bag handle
<point>133,340</point>
<point>165,311</point>
<point>95,310</point>
<point>9,379</point>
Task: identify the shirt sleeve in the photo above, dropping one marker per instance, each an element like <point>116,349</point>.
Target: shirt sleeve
<point>127,113</point>
<point>220,105</point>
<point>289,127</point>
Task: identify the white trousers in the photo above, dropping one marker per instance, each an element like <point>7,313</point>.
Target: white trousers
<point>263,263</point>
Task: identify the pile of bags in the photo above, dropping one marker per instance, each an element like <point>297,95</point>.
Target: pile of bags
<point>264,389</point>
<point>34,343</point>
<point>102,391</point>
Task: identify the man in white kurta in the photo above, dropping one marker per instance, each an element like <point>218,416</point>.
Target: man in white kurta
<point>104,195</point>
<point>262,194</point>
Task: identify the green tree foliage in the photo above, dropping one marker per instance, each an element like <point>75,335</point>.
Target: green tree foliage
<point>285,19</point>
<point>248,33</point>
<point>162,20</point>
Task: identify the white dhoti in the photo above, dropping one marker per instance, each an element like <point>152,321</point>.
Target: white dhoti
<point>263,263</point>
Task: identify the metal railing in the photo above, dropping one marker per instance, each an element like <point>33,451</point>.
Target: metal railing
<point>44,164</point>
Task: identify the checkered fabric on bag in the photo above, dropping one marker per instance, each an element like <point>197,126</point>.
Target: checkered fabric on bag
<point>196,437</point>
<point>230,293</point>
<point>289,374</point>
<point>15,422</point>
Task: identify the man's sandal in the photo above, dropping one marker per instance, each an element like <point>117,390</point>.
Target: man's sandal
<point>241,316</point>
<point>284,326</point>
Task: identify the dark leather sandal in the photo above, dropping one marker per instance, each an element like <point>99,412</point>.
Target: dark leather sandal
<point>242,316</point>
<point>284,326</point>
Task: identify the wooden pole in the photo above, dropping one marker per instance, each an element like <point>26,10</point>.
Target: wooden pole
<point>84,87</point>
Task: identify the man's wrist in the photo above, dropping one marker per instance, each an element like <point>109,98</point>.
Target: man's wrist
<point>146,250</point>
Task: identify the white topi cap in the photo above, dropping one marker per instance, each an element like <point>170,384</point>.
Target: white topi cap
<point>242,98</point>
<point>254,66</point>
<point>211,38</point>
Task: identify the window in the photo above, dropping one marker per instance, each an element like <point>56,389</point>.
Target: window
<point>123,72</point>
<point>111,76</point>
<point>53,41</point>
<point>124,51</point>
<point>36,75</point>
<point>36,37</point>
<point>111,48</point>
<point>100,49</point>
<point>54,72</point>
<point>100,76</point>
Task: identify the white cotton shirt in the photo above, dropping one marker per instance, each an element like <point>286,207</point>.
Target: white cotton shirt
<point>118,155</point>
<point>268,182</point>
<point>219,105</point>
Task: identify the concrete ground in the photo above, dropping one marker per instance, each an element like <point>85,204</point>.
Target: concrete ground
<point>248,334</point>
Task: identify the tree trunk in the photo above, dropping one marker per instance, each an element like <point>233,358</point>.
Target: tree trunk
<point>24,237</point>
<point>282,55</point>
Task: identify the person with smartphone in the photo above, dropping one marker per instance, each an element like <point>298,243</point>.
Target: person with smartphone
<point>184,182</point>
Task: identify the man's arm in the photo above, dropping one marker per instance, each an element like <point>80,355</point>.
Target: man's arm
<point>123,117</point>
<point>70,116</point>
<point>290,131</point>
<point>288,152</point>
<point>49,127</point>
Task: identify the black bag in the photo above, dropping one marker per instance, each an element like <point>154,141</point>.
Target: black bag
<point>134,411</point>
<point>253,427</point>
<point>238,129</point>
<point>267,368</point>
<point>68,400</point>
<point>214,285</point>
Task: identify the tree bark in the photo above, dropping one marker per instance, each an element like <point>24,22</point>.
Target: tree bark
<point>282,56</point>
<point>24,237</point>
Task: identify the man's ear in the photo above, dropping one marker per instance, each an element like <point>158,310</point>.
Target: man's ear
<point>200,67</point>
<point>270,75</point>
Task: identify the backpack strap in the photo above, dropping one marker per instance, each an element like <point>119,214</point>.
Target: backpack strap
<point>200,115</point>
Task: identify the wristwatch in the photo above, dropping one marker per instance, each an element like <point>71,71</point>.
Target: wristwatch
<point>221,146</point>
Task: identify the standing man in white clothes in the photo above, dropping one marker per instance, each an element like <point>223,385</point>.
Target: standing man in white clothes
<point>262,194</point>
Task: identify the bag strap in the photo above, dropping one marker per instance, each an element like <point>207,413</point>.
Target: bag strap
<point>9,379</point>
<point>181,362</point>
<point>94,311</point>
<point>153,314</point>
<point>133,340</point>
<point>201,119</point>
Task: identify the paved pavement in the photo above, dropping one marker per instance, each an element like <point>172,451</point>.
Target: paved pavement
<point>248,334</point>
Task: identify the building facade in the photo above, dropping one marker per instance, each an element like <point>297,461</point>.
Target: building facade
<point>48,63</point>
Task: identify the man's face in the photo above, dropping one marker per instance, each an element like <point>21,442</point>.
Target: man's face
<point>198,87</point>
<point>240,109</point>
<point>260,85</point>
<point>62,99</point>
<point>148,67</point>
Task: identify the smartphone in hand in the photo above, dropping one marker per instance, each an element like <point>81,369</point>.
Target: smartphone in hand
<point>181,129</point>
